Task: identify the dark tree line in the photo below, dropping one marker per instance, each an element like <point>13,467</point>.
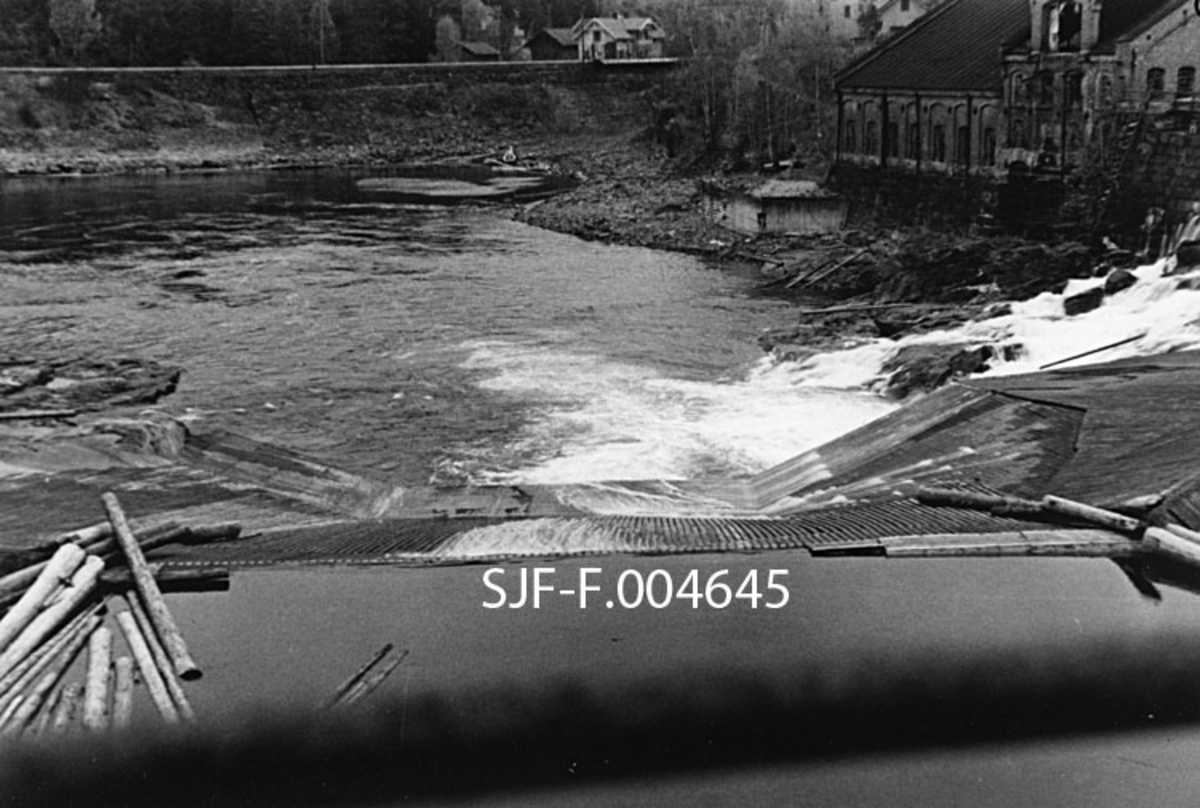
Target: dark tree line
<point>252,32</point>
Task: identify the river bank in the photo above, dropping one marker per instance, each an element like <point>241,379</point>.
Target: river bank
<point>861,283</point>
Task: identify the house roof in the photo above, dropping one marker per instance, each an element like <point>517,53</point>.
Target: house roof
<point>954,47</point>
<point>561,36</point>
<point>791,189</point>
<point>621,27</point>
<point>479,48</point>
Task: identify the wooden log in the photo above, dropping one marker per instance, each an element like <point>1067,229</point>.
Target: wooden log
<point>820,274</point>
<point>161,660</point>
<point>1169,544</point>
<point>25,415</point>
<point>857,307</point>
<point>1116,344</point>
<point>954,498</point>
<point>33,699</point>
<point>66,560</point>
<point>172,580</point>
<point>152,599</point>
<point>373,680</point>
<point>98,682</point>
<point>1096,516</point>
<point>13,584</point>
<point>68,707</point>
<point>6,715</point>
<point>122,713</point>
<point>24,673</point>
<point>1183,533</point>
<point>145,662</point>
<point>83,584</point>
<point>48,711</point>
<point>209,534</point>
<point>357,676</point>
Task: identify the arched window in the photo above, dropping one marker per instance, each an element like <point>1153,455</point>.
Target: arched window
<point>851,146</point>
<point>1185,82</point>
<point>914,142</point>
<point>987,149</point>
<point>1156,81</point>
<point>938,147</point>
<point>871,138</point>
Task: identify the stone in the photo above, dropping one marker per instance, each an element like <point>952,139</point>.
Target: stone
<point>1084,301</point>
<point>920,368</point>
<point>1118,281</point>
<point>1187,256</point>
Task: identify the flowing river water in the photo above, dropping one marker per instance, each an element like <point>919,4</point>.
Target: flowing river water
<point>411,343</point>
<point>449,343</point>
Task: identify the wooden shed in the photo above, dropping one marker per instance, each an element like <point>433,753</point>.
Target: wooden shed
<point>780,206</point>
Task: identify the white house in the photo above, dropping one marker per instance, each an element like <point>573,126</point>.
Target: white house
<point>602,39</point>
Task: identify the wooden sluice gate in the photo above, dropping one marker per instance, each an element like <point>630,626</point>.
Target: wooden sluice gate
<point>1100,435</point>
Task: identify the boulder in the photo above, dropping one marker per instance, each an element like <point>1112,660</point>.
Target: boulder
<point>1118,281</point>
<point>87,384</point>
<point>920,368</point>
<point>1187,256</point>
<point>1084,301</point>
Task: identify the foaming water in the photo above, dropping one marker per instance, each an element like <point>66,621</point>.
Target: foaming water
<point>601,419</point>
<point>1159,314</point>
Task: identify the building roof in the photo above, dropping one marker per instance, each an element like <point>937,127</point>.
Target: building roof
<point>1120,19</point>
<point>479,49</point>
<point>791,189</point>
<point>956,46</point>
<point>561,36</point>
<point>621,27</point>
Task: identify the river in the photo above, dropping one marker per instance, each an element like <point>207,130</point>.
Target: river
<point>409,343</point>
<point>450,343</point>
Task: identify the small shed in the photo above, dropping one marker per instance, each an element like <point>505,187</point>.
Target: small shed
<point>477,52</point>
<point>780,206</point>
<point>553,44</point>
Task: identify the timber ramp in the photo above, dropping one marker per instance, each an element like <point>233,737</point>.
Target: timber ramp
<point>1121,432</point>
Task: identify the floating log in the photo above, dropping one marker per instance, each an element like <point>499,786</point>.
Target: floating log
<point>161,660</point>
<point>24,673</point>
<point>357,676</point>
<point>8,712</point>
<point>152,599</point>
<point>209,534</point>
<point>122,713</point>
<point>855,307</point>
<point>1116,344</point>
<point>813,277</point>
<point>49,709</point>
<point>978,501</point>
<point>1184,533</point>
<point>27,415</point>
<point>1097,516</point>
<point>172,580</point>
<point>13,584</point>
<point>68,707</point>
<point>1177,547</point>
<point>373,680</point>
<point>145,662</point>
<point>83,584</point>
<point>32,700</point>
<point>98,681</point>
<point>58,570</point>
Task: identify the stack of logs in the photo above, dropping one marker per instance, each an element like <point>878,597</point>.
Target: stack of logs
<point>57,606</point>
<point>1128,518</point>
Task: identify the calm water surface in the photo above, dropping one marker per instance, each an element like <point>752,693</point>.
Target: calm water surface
<point>409,342</point>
